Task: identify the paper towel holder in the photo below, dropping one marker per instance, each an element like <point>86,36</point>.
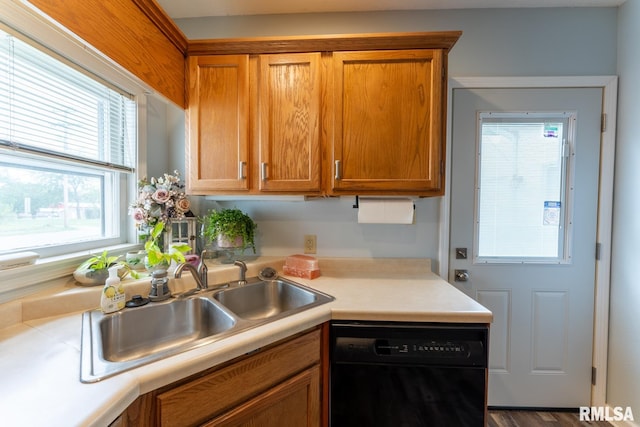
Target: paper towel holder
<point>357,204</point>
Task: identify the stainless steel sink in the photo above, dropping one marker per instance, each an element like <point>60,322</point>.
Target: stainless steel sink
<point>130,334</point>
<point>268,299</point>
<point>113,343</point>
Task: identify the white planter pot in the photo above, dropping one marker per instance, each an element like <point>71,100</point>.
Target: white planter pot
<point>223,242</point>
<point>89,277</point>
<point>135,260</point>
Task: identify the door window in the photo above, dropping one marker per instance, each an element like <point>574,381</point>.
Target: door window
<point>523,191</point>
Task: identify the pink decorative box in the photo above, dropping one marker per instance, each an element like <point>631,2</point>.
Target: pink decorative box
<point>303,266</point>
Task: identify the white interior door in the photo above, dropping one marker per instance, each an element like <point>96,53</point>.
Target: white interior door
<point>524,192</point>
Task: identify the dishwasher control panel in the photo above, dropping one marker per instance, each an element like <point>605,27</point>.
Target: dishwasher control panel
<point>427,345</point>
<point>435,348</point>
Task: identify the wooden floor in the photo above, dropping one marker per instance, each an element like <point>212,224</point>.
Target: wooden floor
<point>517,418</point>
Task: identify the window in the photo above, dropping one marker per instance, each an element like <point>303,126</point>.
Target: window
<point>523,195</point>
<point>67,151</point>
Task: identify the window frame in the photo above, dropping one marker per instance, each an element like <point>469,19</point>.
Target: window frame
<point>567,207</point>
<point>113,205</point>
<point>51,271</point>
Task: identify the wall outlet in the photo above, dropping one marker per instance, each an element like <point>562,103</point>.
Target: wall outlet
<point>310,243</point>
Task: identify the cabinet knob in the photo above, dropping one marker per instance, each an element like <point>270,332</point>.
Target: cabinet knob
<point>338,169</point>
<point>263,171</point>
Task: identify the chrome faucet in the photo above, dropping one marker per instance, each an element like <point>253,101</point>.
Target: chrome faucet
<point>199,274</point>
<point>243,272</point>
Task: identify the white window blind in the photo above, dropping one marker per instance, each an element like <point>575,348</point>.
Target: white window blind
<point>68,146</point>
<point>522,187</point>
<point>52,108</point>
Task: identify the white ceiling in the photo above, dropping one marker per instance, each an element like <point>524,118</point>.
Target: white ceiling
<point>195,8</point>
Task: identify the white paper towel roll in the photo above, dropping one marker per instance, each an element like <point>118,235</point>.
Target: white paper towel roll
<point>377,210</point>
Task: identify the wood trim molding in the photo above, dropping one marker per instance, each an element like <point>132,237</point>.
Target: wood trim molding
<point>324,43</point>
<point>120,30</point>
<point>160,19</point>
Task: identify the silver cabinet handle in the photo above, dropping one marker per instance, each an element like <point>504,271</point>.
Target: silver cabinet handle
<point>263,171</point>
<point>241,169</point>
<point>338,171</point>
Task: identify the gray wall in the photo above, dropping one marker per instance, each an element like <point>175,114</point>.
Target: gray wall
<point>623,387</point>
<point>496,42</point>
<point>158,136</point>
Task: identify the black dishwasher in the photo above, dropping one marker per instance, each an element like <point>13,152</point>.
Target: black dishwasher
<point>399,374</point>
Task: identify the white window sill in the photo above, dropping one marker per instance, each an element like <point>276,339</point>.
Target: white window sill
<point>21,281</point>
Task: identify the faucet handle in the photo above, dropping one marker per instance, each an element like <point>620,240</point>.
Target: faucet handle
<point>202,266</point>
<point>203,270</point>
<point>243,272</point>
<point>242,265</point>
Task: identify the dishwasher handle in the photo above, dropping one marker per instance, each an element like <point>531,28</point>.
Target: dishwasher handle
<point>352,349</point>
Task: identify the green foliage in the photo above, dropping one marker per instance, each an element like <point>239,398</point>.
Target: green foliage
<point>99,262</point>
<point>155,254</point>
<point>231,224</point>
<point>126,269</point>
<point>45,189</point>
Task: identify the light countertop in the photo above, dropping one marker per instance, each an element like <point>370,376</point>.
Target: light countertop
<point>40,347</point>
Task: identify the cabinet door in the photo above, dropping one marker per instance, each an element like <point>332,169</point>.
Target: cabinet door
<point>232,386</point>
<point>289,91</point>
<point>295,402</point>
<point>388,130</point>
<point>218,123</point>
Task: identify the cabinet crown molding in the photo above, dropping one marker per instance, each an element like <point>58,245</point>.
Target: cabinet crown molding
<point>158,16</point>
<point>325,43</point>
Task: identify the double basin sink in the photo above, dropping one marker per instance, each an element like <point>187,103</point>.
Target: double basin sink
<point>113,343</point>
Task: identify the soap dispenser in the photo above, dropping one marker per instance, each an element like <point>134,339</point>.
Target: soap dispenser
<point>113,297</point>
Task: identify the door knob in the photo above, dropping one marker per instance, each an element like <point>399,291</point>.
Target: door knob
<point>461,275</point>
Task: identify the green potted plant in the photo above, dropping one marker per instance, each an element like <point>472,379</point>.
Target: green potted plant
<point>156,257</point>
<point>94,271</point>
<point>231,228</point>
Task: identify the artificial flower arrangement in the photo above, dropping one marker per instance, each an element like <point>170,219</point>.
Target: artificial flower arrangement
<point>160,200</point>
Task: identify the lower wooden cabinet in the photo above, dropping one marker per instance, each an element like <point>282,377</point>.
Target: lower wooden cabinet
<point>277,386</point>
<point>295,402</point>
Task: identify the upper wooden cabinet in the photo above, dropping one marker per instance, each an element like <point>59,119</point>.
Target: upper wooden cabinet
<point>388,122</point>
<point>254,124</point>
<point>288,94</point>
<point>218,124</point>
<point>334,115</point>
